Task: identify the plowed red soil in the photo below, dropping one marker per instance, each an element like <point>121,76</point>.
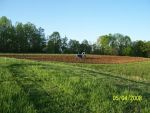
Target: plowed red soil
<point>94,59</point>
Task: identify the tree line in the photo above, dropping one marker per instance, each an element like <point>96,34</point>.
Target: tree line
<point>27,38</point>
<point>118,44</point>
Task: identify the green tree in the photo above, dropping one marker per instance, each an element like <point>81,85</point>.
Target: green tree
<point>42,43</point>
<point>64,45</point>
<point>5,33</point>
<point>116,44</point>
<point>85,47</point>
<point>95,49</point>
<point>54,43</point>
<point>20,42</point>
<point>74,46</point>
<point>34,38</point>
<point>104,43</point>
<point>138,48</point>
<point>122,44</point>
<point>5,22</point>
<point>146,49</point>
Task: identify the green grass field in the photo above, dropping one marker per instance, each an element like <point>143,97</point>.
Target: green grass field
<point>55,87</point>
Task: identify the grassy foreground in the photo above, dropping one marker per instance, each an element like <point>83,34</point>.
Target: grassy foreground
<point>53,87</point>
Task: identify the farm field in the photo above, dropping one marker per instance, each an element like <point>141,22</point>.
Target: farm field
<point>30,86</point>
<point>92,59</point>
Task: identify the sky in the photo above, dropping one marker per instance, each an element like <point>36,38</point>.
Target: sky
<point>83,19</point>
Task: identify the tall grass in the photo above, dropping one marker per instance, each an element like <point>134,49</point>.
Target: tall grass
<point>39,87</point>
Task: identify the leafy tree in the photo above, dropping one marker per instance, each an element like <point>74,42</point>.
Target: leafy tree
<point>104,43</point>
<point>85,47</point>
<point>138,48</point>
<point>20,41</point>
<point>34,37</point>
<point>115,44</point>
<point>73,46</point>
<point>41,34</point>
<point>5,22</point>
<point>95,49</point>
<point>146,49</point>
<point>21,37</point>
<point>64,45</point>
<point>54,43</point>
<point>122,44</point>
<point>5,33</point>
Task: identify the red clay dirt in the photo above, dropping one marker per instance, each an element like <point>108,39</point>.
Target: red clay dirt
<point>94,59</point>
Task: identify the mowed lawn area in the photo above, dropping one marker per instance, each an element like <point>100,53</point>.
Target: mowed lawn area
<point>28,86</point>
